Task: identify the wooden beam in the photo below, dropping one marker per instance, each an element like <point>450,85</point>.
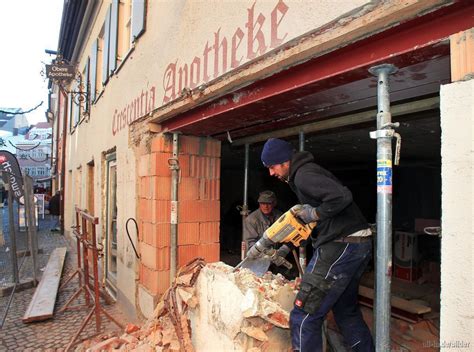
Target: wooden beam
<point>462,55</point>
<point>42,304</point>
<point>154,127</point>
<point>397,302</point>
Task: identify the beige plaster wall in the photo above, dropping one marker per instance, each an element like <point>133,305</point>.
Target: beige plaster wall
<point>176,32</point>
<point>457,244</point>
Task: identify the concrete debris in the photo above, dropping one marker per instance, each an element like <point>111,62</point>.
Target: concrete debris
<point>212,308</point>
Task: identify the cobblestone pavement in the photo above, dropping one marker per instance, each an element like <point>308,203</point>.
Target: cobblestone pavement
<point>53,334</point>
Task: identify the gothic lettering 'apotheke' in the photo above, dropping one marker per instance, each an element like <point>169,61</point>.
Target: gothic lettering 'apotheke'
<point>214,59</point>
<point>137,108</point>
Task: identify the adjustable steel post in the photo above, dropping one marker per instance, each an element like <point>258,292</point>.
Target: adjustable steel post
<point>383,135</point>
<point>245,207</point>
<point>174,166</point>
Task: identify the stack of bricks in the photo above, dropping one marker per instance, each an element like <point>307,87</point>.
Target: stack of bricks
<point>198,207</point>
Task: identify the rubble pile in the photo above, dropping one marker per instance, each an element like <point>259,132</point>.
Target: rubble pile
<point>212,308</point>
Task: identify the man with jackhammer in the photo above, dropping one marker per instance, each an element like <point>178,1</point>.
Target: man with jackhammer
<point>342,245</point>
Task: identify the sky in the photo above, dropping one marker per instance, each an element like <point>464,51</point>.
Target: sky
<point>27,28</point>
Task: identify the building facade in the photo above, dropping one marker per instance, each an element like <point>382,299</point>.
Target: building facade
<point>34,154</point>
<point>174,90</point>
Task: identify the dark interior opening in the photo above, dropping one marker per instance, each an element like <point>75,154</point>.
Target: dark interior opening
<point>350,155</point>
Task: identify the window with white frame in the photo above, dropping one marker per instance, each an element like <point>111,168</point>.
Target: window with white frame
<point>124,23</point>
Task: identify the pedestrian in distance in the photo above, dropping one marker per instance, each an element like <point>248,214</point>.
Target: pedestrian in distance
<point>54,208</point>
<point>342,245</point>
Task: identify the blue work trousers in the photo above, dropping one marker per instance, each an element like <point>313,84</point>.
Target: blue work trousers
<point>335,271</point>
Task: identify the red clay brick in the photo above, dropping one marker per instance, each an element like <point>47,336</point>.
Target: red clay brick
<point>188,189</point>
<point>218,168</point>
<point>214,165</point>
<point>186,254</point>
<point>184,165</point>
<point>155,281</point>
<point>143,212</point>
<point>163,235</point>
<point>163,144</point>
<point>209,232</point>
<point>160,211</point>
<point>155,258</point>
<point>209,189</point>
<point>199,211</point>
<point>163,281</point>
<point>141,187</point>
<point>156,235</point>
<point>145,188</point>
<point>199,166</point>
<point>188,211</point>
<point>210,252</point>
<point>204,167</point>
<point>141,226</point>
<point>214,147</point>
<point>161,188</point>
<point>212,210</point>
<point>147,233</point>
<point>189,145</point>
<point>159,164</point>
<point>188,233</point>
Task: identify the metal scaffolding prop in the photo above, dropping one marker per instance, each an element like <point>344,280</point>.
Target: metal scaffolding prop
<point>18,283</point>
<point>383,264</point>
<point>88,255</point>
<point>244,211</point>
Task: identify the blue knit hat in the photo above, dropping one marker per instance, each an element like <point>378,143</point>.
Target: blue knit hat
<point>276,151</point>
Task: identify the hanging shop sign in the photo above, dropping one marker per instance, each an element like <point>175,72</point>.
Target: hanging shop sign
<point>60,72</point>
<point>12,174</point>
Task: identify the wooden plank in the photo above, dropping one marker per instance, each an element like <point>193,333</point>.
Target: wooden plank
<point>42,304</point>
<point>397,302</point>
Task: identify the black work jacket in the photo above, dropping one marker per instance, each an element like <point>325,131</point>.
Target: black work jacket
<point>338,215</point>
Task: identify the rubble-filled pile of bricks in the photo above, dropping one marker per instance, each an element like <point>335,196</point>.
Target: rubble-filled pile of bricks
<point>260,323</point>
<point>198,206</point>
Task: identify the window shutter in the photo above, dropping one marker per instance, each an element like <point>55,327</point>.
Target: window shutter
<point>138,18</point>
<point>93,70</point>
<point>113,37</point>
<point>105,51</point>
<point>86,86</point>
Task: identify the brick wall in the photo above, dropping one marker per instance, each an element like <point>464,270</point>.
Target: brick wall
<point>198,206</point>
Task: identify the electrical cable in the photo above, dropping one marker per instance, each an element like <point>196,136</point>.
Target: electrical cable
<point>24,150</point>
<point>21,112</point>
<point>128,234</point>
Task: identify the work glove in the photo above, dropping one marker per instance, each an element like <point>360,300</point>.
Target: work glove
<point>254,253</point>
<point>305,212</point>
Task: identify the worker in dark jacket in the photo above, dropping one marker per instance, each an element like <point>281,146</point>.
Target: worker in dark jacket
<point>342,249</point>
